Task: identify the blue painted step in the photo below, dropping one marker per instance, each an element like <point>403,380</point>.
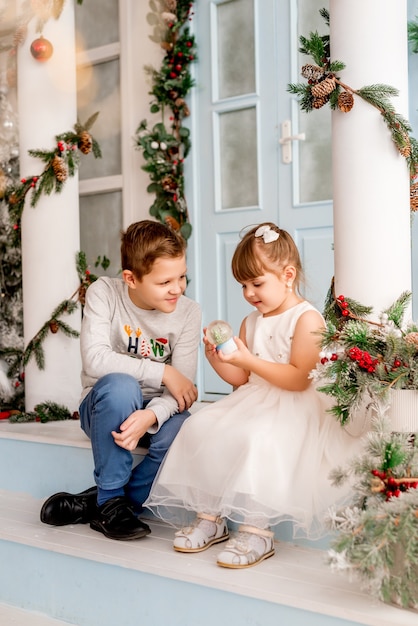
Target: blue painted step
<point>77,575</point>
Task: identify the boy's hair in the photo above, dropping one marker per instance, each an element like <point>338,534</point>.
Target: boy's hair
<point>146,241</point>
<point>253,256</point>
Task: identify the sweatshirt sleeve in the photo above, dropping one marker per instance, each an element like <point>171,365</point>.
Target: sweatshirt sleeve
<point>184,358</point>
<point>98,357</point>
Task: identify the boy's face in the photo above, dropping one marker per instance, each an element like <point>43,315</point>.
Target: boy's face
<point>161,288</point>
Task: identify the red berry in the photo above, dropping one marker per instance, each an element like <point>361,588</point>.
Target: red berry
<point>341,298</point>
<point>334,357</point>
<point>324,360</point>
<point>345,312</point>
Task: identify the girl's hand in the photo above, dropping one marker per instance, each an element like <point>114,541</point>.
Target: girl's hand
<point>239,357</point>
<point>210,348</point>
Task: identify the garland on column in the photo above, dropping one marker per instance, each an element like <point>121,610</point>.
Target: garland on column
<point>324,86</point>
<point>165,148</point>
<point>61,163</point>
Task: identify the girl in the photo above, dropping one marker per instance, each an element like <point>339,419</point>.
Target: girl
<point>258,455</point>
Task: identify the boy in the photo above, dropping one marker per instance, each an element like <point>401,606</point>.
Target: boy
<point>139,344</point>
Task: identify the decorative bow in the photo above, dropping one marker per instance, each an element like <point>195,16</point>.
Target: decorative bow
<point>267,234</point>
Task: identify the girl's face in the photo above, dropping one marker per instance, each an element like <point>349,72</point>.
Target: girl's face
<point>269,293</point>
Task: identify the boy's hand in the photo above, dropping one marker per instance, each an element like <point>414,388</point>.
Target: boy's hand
<point>181,388</point>
<point>133,428</point>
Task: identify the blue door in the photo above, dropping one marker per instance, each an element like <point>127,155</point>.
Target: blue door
<point>248,167</point>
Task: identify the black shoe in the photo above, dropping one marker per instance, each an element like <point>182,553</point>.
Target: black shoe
<point>67,508</point>
<point>117,520</point>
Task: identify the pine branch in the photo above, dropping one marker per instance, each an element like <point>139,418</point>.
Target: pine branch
<point>60,163</point>
<point>325,86</point>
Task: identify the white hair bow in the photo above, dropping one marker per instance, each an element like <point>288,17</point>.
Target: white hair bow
<point>267,234</point>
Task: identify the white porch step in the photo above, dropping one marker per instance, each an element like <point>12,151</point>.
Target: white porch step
<point>90,580</point>
<point>78,576</point>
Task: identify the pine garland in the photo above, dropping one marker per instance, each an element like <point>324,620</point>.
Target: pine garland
<point>60,163</point>
<point>44,412</point>
<point>66,307</point>
<point>165,149</point>
<point>325,87</point>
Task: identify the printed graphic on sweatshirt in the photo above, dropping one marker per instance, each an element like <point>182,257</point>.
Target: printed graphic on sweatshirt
<point>143,347</point>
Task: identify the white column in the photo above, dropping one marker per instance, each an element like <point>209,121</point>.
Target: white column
<point>50,231</point>
<point>370,177</point>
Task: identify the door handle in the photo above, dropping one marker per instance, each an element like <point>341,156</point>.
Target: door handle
<point>286,140</point>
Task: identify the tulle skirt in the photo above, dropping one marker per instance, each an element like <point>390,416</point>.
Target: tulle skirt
<point>261,455</point>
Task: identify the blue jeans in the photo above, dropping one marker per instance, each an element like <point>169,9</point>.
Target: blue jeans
<point>112,399</point>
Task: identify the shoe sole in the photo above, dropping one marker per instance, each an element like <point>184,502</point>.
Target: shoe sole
<point>125,537</point>
<point>234,566</point>
<point>205,547</point>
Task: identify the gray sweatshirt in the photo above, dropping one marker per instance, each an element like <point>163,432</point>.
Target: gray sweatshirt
<point>119,337</point>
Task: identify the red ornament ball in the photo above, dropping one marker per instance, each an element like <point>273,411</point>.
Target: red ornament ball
<point>41,49</point>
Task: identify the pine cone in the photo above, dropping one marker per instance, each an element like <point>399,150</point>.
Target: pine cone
<point>82,294</point>
<point>167,45</point>
<point>168,183</point>
<point>312,72</point>
<point>171,5</point>
<point>3,184</point>
<point>324,87</point>
<point>405,148</point>
<point>53,326</point>
<point>172,222</point>
<point>345,101</point>
<point>20,35</point>
<point>413,194</point>
<point>317,103</point>
<point>60,168</point>
<point>85,142</point>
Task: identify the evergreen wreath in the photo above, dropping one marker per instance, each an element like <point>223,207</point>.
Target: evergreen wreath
<point>361,358</point>
<point>324,86</point>
<point>165,148</point>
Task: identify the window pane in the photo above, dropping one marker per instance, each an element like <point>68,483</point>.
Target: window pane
<point>315,153</point>
<point>100,226</point>
<point>97,23</point>
<point>98,90</point>
<point>236,65</point>
<point>238,147</point>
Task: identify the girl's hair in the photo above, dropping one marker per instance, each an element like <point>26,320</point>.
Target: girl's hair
<point>146,241</point>
<point>253,256</point>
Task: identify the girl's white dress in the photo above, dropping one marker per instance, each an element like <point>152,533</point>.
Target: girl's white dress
<point>260,455</point>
